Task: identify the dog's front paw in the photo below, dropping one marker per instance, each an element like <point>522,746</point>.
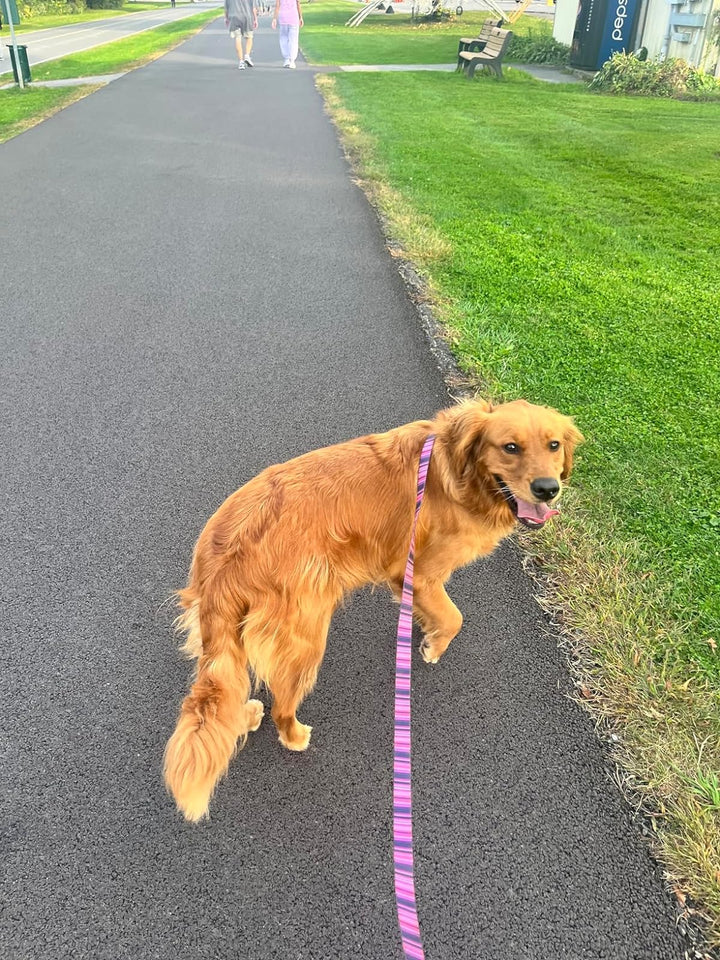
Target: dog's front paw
<point>255,714</point>
<point>298,738</point>
<point>428,652</point>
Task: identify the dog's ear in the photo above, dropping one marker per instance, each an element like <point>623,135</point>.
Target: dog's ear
<point>571,439</point>
<point>464,434</point>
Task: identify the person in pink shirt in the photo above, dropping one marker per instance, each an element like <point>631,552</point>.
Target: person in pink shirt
<point>288,20</point>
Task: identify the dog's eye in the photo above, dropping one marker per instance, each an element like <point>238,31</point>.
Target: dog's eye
<point>511,448</point>
<point>554,444</point>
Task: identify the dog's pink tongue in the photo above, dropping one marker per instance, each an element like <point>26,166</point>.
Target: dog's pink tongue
<point>535,512</point>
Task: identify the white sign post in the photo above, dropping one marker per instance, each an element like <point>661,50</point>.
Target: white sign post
<point>13,41</point>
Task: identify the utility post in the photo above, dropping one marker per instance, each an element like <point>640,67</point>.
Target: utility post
<point>10,14</point>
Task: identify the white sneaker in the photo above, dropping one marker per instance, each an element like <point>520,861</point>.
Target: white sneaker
<point>241,65</point>
<point>286,63</point>
<point>249,62</point>
<point>292,64</point>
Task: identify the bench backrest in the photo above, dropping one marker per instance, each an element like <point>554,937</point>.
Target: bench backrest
<point>497,42</point>
<point>487,27</point>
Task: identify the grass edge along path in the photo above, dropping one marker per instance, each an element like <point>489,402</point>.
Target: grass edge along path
<point>22,109</point>
<point>661,725</point>
<point>126,54</point>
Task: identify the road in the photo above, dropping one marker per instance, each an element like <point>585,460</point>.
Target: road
<point>57,42</point>
<point>539,8</point>
<point>171,325</point>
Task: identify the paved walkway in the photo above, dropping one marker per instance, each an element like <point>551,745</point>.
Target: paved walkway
<point>539,71</point>
<point>193,287</point>
<point>549,75</point>
<point>73,81</point>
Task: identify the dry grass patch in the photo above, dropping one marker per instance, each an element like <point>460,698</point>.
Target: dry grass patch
<point>662,724</point>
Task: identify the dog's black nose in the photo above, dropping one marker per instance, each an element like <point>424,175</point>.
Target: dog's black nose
<point>545,488</point>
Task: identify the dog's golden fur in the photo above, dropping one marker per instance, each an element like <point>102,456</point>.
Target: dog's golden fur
<point>276,559</point>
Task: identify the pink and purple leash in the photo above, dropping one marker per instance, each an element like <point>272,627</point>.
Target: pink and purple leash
<point>402,795</point>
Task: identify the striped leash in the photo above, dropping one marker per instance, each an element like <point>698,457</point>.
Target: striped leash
<point>402,794</point>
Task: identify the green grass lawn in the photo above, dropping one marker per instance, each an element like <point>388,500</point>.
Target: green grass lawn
<point>584,272</point>
<point>20,109</point>
<point>123,54</point>
<point>389,38</point>
<point>571,245</point>
<point>48,20</point>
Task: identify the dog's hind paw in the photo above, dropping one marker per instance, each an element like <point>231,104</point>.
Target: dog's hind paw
<point>428,652</point>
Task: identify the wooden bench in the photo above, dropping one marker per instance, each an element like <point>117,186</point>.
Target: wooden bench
<point>491,56</point>
<point>476,44</point>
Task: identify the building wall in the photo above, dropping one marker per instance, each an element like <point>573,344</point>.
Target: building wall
<point>710,61</point>
<point>564,20</point>
<point>689,23</point>
<point>683,30</point>
<point>652,26</point>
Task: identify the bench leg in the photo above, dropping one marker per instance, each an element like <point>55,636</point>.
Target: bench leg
<point>495,67</point>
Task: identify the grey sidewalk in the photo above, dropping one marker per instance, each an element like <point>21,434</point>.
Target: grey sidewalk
<point>548,74</point>
<point>195,288</point>
<point>100,80</point>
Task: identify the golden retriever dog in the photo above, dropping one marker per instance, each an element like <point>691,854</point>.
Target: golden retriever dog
<point>276,559</point>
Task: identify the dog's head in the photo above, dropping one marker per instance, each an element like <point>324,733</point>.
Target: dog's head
<point>518,452</point>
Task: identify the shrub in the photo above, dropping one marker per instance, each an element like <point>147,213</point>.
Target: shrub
<point>625,73</point>
<point>104,4</point>
<point>538,48</point>
<point>439,11</point>
<point>37,8</point>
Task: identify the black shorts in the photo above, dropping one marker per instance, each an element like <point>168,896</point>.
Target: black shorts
<point>240,25</point>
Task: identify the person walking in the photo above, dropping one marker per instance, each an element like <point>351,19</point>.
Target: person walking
<point>241,18</point>
<point>288,20</point>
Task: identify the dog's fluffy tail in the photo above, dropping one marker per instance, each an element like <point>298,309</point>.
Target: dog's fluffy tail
<point>216,712</point>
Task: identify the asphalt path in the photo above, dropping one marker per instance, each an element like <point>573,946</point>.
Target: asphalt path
<point>43,45</point>
<point>192,288</point>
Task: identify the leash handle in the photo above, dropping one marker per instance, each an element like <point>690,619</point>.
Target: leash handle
<point>402,794</point>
